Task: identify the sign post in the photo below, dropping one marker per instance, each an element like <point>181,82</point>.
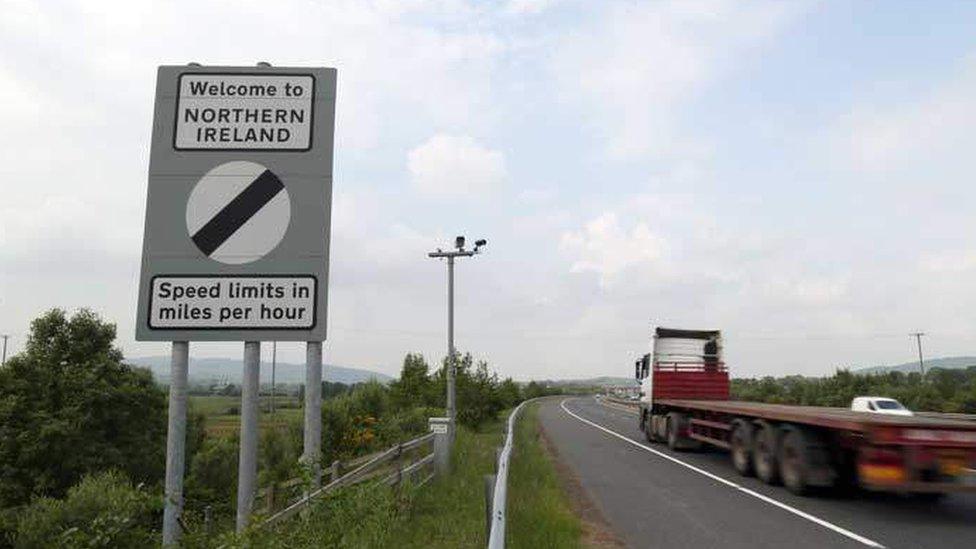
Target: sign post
<point>175,441</point>
<point>236,244</point>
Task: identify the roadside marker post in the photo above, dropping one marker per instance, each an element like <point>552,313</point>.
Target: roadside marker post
<point>236,242</point>
<point>441,427</point>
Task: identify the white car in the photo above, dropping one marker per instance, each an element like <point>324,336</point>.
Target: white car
<point>879,405</point>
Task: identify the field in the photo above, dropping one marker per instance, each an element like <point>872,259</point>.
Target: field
<point>223,418</point>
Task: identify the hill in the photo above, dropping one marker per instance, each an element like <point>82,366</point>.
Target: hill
<point>949,363</point>
<point>229,371</point>
<point>601,381</point>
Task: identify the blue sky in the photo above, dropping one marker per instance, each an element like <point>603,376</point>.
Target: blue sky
<point>795,173</point>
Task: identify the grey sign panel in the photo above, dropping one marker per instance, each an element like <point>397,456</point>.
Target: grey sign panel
<point>239,203</point>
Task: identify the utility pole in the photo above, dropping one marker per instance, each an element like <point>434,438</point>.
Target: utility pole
<point>459,251</point>
<point>5,336</point>
<point>918,340</point>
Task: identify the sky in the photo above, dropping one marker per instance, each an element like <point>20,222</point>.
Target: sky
<point>797,174</point>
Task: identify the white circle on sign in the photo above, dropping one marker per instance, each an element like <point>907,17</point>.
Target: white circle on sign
<point>238,212</point>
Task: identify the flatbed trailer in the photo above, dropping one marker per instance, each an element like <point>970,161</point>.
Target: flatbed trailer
<point>684,402</point>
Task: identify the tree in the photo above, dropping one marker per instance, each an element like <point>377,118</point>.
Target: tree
<point>414,388</point>
<point>69,406</point>
<point>509,393</point>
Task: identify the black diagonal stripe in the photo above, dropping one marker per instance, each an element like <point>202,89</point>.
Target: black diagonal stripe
<point>235,214</point>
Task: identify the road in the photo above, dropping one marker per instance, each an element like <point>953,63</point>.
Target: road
<point>652,497</point>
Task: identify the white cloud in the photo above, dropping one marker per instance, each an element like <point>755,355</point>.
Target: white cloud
<point>639,64</point>
<point>456,166</point>
<point>528,7</point>
<point>950,262</point>
<point>605,247</point>
<point>929,130</point>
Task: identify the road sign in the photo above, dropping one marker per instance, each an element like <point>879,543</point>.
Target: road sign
<point>238,212</point>
<point>236,243</point>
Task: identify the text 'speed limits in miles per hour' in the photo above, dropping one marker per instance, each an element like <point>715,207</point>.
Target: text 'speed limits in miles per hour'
<point>266,302</point>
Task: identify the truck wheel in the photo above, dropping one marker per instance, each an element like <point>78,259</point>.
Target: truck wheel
<point>741,442</point>
<point>645,425</point>
<point>793,462</point>
<point>764,452</point>
<point>674,427</point>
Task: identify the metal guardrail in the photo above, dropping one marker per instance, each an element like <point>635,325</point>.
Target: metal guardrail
<point>496,534</point>
<point>368,470</point>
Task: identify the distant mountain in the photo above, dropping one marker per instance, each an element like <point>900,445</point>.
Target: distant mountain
<point>949,363</point>
<point>601,381</point>
<point>229,370</point>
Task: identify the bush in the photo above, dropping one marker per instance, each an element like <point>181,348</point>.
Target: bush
<point>212,476</point>
<point>278,457</point>
<point>103,510</point>
<point>70,407</point>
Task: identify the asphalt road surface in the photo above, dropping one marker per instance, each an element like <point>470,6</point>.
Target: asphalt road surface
<point>653,497</point>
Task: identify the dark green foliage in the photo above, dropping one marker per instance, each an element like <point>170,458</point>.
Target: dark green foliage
<point>212,476</point>
<point>509,393</point>
<point>477,393</point>
<point>939,391</point>
<point>331,389</point>
<point>69,406</point>
<point>415,386</point>
<point>278,457</point>
<point>103,510</point>
<point>535,390</point>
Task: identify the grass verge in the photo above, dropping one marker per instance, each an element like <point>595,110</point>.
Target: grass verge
<point>447,513</point>
<point>540,513</point>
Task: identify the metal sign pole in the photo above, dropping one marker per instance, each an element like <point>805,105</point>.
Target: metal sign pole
<point>451,411</point>
<point>451,365</point>
<point>248,463</point>
<point>175,442</point>
<point>313,410</point>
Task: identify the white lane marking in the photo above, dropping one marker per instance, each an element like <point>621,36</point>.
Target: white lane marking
<point>729,483</point>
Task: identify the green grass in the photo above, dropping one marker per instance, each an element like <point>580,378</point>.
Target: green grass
<point>448,512</point>
<point>540,513</point>
<point>220,422</point>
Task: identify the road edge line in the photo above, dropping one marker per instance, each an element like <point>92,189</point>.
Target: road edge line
<point>802,514</point>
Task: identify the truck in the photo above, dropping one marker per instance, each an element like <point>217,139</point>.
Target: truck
<point>685,403</point>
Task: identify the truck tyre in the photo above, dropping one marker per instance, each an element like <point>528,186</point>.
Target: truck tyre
<point>741,448</point>
<point>675,424</point>
<point>647,427</point>
<point>672,430</point>
<point>794,463</point>
<point>765,452</point>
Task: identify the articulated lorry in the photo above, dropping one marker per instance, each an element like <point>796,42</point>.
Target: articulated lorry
<point>684,402</point>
